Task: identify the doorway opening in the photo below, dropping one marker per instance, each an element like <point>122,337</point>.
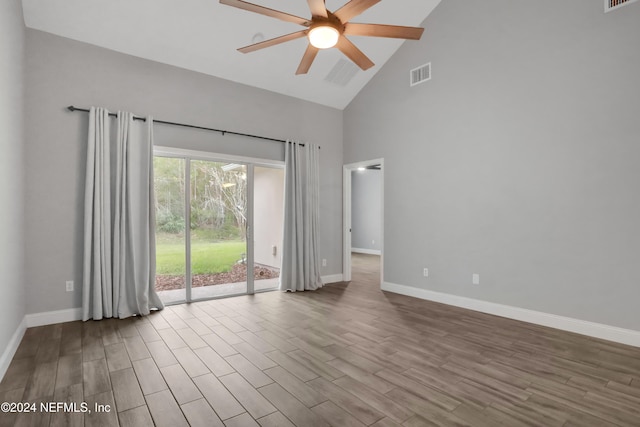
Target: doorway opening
<point>363,201</point>
<point>219,222</point>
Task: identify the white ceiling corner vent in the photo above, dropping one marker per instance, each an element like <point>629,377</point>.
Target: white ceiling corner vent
<point>420,74</point>
<point>610,5</point>
<point>342,73</point>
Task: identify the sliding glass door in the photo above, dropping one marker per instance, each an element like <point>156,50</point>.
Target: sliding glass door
<point>171,237</point>
<point>218,227</point>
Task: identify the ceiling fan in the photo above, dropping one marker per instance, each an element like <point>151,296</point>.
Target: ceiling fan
<point>327,29</point>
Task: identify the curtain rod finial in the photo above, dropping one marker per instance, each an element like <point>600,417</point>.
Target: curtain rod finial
<point>71,108</point>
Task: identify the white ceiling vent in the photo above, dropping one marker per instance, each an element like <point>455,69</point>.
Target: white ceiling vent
<point>420,74</point>
<point>342,73</point>
<point>610,5</point>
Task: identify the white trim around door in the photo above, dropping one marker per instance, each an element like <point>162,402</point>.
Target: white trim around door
<point>250,163</point>
<point>346,218</point>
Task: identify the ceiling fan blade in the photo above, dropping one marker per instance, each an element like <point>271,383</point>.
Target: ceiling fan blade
<point>379,30</point>
<point>266,11</point>
<point>353,53</point>
<point>273,42</point>
<point>353,9</point>
<point>318,8</point>
<point>307,59</point>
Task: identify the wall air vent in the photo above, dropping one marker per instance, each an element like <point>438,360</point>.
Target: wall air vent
<point>420,74</point>
<point>342,73</point>
<point>610,5</point>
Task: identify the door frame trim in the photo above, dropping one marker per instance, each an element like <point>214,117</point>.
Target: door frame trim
<point>219,157</point>
<point>347,169</point>
<point>250,163</point>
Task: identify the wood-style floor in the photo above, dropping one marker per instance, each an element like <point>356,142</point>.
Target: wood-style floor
<point>346,355</point>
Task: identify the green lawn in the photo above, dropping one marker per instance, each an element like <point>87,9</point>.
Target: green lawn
<point>206,257</point>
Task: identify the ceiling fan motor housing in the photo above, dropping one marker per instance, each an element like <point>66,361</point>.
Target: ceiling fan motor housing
<point>324,32</point>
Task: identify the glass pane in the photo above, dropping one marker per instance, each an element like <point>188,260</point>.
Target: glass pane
<point>218,229</point>
<point>169,181</point>
<point>268,219</point>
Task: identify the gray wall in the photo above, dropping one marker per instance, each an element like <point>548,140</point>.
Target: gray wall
<point>518,160</point>
<point>61,72</point>
<point>12,292</point>
<point>366,215</point>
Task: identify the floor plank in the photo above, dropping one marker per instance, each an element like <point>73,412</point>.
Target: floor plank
<point>214,361</point>
<point>68,372</point>
<point>297,388</point>
<point>200,414</point>
<point>136,417</point>
<point>164,410</point>
<point>242,420</point>
<point>182,387</point>
<point>126,390</point>
<point>42,381</point>
<point>8,419</point>
<point>335,415</point>
<point>161,354</point>
<point>223,402</point>
<point>136,348</point>
<point>347,401</point>
<point>117,357</point>
<point>248,370</point>
<point>71,394</point>
<point>149,376</point>
<point>275,420</point>
<point>291,407</point>
<point>247,395</point>
<point>104,417</point>
<point>190,362</point>
<point>377,400</point>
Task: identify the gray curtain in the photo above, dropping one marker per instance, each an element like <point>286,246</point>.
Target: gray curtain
<point>119,224</point>
<point>300,269</point>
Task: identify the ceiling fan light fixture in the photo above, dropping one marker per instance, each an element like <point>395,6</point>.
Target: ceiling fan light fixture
<point>326,29</point>
<point>323,36</point>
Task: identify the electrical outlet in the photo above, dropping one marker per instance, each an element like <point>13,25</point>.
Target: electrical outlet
<point>475,279</point>
<point>425,272</point>
<point>69,285</point>
<point>373,242</point>
<point>324,262</point>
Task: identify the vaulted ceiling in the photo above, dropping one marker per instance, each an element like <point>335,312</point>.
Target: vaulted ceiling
<point>203,36</point>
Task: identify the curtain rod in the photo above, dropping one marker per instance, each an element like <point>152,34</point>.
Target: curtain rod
<point>223,132</point>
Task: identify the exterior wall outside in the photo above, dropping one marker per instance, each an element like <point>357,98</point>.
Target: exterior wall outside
<point>268,215</point>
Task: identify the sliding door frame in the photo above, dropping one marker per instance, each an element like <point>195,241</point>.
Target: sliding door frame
<point>187,228</point>
<point>250,163</point>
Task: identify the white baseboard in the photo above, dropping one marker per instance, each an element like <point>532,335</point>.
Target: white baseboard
<point>12,347</point>
<point>333,278</point>
<point>597,330</point>
<point>366,251</point>
<point>52,317</point>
